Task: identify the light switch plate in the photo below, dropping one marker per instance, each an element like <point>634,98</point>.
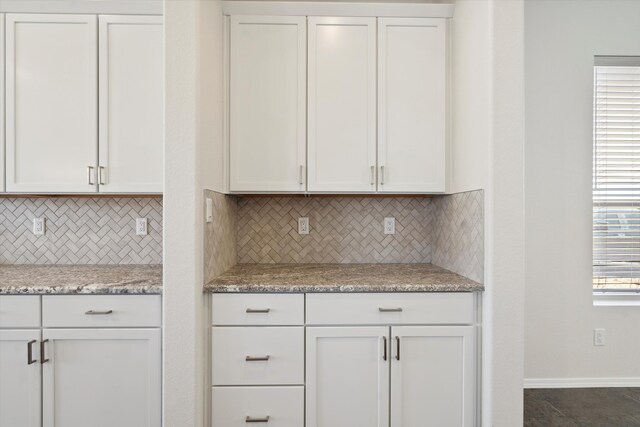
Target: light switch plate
<point>598,337</point>
<point>209,212</point>
<point>141,226</point>
<point>38,226</point>
<point>303,225</point>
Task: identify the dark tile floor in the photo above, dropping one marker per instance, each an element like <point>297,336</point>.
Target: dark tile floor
<point>582,407</point>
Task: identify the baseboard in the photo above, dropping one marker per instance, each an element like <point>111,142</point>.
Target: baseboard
<point>581,382</point>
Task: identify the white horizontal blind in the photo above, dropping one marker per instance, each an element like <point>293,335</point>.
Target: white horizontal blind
<point>616,174</point>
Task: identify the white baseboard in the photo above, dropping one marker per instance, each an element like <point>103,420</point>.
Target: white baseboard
<point>581,382</point>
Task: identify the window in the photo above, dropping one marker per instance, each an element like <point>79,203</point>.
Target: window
<point>616,174</point>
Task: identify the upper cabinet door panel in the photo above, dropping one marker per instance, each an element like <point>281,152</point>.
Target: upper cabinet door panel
<point>412,105</point>
<point>342,104</point>
<point>267,103</point>
<point>2,61</point>
<point>51,100</point>
<point>131,104</point>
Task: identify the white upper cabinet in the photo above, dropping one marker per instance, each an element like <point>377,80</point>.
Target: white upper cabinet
<point>131,104</point>
<point>267,104</point>
<point>2,67</point>
<point>342,104</point>
<point>51,99</point>
<point>412,82</point>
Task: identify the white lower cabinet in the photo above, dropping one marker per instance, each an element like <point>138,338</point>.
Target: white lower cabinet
<point>101,378</point>
<point>79,376</point>
<point>371,360</point>
<point>272,406</point>
<point>347,377</point>
<point>432,376</point>
<point>20,379</point>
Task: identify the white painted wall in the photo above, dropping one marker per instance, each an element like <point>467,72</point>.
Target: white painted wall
<point>193,130</point>
<point>562,37</point>
<point>487,143</point>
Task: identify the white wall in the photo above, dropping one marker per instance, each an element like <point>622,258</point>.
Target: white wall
<point>193,86</point>
<point>562,37</point>
<point>487,152</point>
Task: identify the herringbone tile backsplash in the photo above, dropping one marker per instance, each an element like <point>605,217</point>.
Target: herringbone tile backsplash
<point>80,231</point>
<point>343,230</point>
<point>220,246</point>
<point>458,237</point>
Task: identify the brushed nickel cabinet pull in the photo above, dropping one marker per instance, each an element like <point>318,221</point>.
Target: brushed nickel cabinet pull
<point>30,359</point>
<point>384,342</point>
<point>95,312</point>
<point>373,175</point>
<point>258,310</point>
<point>257,358</point>
<point>101,174</point>
<point>390,310</point>
<point>90,175</point>
<point>397,348</point>
<point>381,175</point>
<point>43,360</point>
<point>257,420</point>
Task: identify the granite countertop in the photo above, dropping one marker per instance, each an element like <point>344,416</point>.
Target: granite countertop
<point>80,279</point>
<point>341,278</point>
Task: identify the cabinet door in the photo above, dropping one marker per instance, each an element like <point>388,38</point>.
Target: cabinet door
<point>2,135</point>
<point>267,103</point>
<point>131,104</point>
<point>51,103</point>
<point>20,387</point>
<point>433,376</point>
<point>347,377</point>
<point>412,87</point>
<point>102,378</point>
<point>342,104</point>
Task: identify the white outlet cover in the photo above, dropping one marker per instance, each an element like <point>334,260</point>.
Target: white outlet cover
<point>303,225</point>
<point>389,225</point>
<point>598,337</point>
<point>38,226</point>
<point>141,226</point>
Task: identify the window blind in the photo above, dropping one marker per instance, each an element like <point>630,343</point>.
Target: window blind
<point>616,174</point>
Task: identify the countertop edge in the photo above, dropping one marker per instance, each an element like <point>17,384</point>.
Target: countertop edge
<point>257,288</point>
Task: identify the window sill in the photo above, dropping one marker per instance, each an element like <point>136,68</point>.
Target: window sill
<point>616,299</point>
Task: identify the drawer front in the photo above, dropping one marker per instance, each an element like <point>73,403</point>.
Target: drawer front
<point>257,309</point>
<point>242,406</point>
<point>101,311</point>
<point>390,308</point>
<point>258,355</point>
<point>19,311</point>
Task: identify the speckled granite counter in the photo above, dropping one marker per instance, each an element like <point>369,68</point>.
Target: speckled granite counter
<point>80,279</point>
<point>341,278</point>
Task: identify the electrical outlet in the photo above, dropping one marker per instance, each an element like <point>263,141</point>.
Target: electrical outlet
<point>38,226</point>
<point>303,225</point>
<point>598,337</point>
<point>390,225</point>
<point>141,226</point>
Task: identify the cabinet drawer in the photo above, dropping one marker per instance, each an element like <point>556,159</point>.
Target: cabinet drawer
<point>257,309</point>
<point>258,356</point>
<point>238,406</point>
<point>19,311</point>
<point>101,311</point>
<point>390,308</point>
